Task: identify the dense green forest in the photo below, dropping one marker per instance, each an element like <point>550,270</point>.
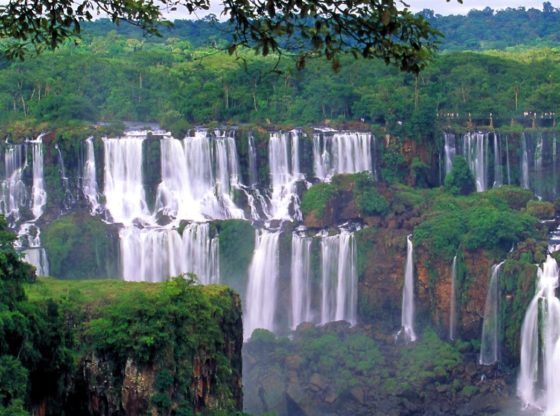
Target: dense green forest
<point>114,78</point>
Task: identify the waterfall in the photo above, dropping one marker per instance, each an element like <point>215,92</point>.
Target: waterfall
<point>540,345</point>
<point>453,301</point>
<point>507,161</point>
<point>489,343</point>
<point>475,146</point>
<point>38,192</point>
<point>538,156</point>
<point>343,152</point>
<point>407,316</point>
<point>29,242</point>
<point>153,254</point>
<point>339,279</point>
<point>13,192</point>
<point>68,200</point>
<point>449,150</point>
<point>124,187</point>
<point>260,298</point>
<point>252,156</point>
<point>301,279</point>
<point>498,176</point>
<point>283,157</point>
<point>189,189</point>
<point>524,163</point>
<point>89,179</point>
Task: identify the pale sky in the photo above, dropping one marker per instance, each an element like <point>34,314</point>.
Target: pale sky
<point>453,7</point>
<point>438,6</point>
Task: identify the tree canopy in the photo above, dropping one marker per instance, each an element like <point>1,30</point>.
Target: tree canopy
<point>383,29</point>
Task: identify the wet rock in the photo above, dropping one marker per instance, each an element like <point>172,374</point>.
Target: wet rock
<point>317,382</point>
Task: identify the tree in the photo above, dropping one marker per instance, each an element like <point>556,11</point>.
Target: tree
<point>383,29</point>
<point>460,181</point>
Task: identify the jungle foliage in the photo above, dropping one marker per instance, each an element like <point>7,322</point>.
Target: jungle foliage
<point>110,76</point>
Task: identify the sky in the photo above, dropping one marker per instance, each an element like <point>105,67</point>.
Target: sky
<point>438,6</point>
<point>453,7</point>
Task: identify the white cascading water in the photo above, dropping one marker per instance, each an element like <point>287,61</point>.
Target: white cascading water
<point>538,384</point>
<point>260,297</point>
<point>189,188</point>
<point>89,178</point>
<point>449,151</point>
<point>125,197</point>
<point>339,279</point>
<point>301,280</point>
<point>68,200</point>
<point>343,152</point>
<point>489,342</point>
<point>538,156</point>
<point>38,192</point>
<point>153,254</point>
<point>507,161</point>
<point>13,192</point>
<point>252,156</point>
<point>475,147</point>
<point>453,301</point>
<point>498,175</point>
<point>29,242</point>
<point>407,315</point>
<point>538,187</point>
<point>524,163</point>
<point>283,157</point>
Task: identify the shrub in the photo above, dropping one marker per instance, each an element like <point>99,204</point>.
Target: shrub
<point>541,209</point>
<point>317,198</point>
<point>460,181</point>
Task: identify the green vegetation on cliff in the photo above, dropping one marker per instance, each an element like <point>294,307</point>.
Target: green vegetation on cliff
<point>481,220</point>
<point>72,347</point>
<point>183,339</point>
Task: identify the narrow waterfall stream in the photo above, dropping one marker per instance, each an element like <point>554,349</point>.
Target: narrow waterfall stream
<point>524,163</point>
<point>450,150</point>
<point>301,280</point>
<point>453,301</point>
<point>490,340</point>
<point>89,178</point>
<point>407,315</point>
<point>498,169</point>
<point>38,192</point>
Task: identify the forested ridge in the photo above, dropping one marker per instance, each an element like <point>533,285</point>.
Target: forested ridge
<point>114,78</point>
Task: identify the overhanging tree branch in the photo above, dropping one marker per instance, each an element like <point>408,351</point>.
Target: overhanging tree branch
<point>384,29</point>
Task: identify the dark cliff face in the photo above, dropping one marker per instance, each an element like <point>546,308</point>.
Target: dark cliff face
<point>149,358</point>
